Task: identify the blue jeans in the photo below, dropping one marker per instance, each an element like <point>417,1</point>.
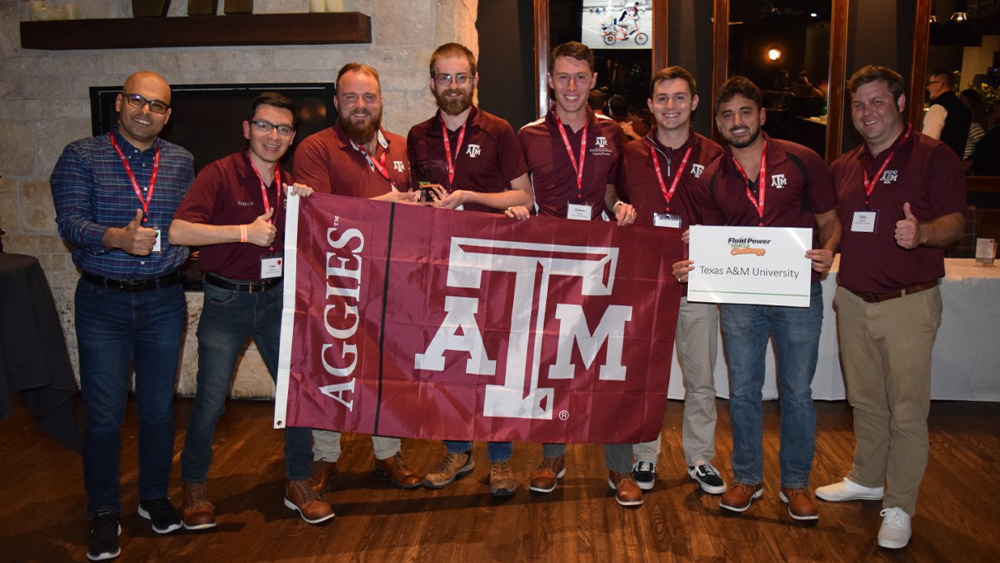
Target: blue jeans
<point>228,319</point>
<point>495,451</point>
<point>113,329</point>
<point>745,332</point>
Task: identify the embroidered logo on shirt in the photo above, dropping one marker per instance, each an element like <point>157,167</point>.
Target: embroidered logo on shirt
<point>697,169</point>
<point>473,151</point>
<point>778,181</point>
<point>890,176</point>
<point>600,147</point>
<point>244,203</point>
<point>399,166</point>
<point>602,142</point>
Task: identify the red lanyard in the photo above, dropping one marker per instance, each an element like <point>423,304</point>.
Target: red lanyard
<point>263,187</point>
<point>569,150</point>
<point>447,150</point>
<point>131,176</point>
<point>762,177</point>
<point>870,184</point>
<point>667,196</point>
<point>378,164</point>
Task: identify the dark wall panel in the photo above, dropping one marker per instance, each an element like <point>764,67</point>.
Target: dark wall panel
<point>507,59</point>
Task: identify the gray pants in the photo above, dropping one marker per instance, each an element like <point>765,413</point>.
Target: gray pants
<point>617,457</point>
<point>326,446</point>
<point>697,347</point>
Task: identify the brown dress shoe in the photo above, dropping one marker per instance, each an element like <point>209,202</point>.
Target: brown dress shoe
<point>502,482</point>
<point>800,504</point>
<point>196,512</point>
<point>300,496</point>
<point>627,491</point>
<point>322,472</point>
<point>451,467</point>
<point>740,496</point>
<point>547,476</point>
<point>398,472</point>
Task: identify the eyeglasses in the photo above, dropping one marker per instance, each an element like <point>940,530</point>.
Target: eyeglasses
<point>265,127</point>
<point>445,79</point>
<point>137,101</point>
<point>933,82</point>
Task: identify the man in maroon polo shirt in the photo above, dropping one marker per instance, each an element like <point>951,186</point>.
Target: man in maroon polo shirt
<point>357,158</point>
<point>234,211</point>
<point>656,172</point>
<point>572,155</point>
<point>902,199</point>
<point>471,160</point>
<point>760,181</point>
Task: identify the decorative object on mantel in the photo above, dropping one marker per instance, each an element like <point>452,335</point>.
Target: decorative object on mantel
<point>149,8</point>
<point>203,7</point>
<point>334,5</point>
<point>38,11</point>
<point>239,6</point>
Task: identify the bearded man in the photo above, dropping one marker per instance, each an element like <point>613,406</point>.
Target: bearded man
<point>471,160</point>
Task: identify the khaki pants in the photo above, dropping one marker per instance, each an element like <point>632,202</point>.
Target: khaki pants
<point>326,445</point>
<point>697,340</point>
<point>885,349</point>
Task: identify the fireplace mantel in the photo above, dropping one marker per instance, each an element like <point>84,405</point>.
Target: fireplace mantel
<point>198,31</point>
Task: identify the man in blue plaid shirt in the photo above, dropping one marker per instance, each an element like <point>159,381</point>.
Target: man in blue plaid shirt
<point>115,196</point>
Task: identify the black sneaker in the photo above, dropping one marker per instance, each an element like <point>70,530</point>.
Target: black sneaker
<point>708,477</point>
<point>161,513</point>
<point>104,532</point>
<point>644,474</point>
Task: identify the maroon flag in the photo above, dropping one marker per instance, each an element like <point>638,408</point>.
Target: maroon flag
<point>410,321</point>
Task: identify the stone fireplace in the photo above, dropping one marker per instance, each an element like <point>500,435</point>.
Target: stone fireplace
<point>44,105</point>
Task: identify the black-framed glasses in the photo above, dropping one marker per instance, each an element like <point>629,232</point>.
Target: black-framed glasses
<point>137,101</point>
<point>445,79</point>
<point>266,127</point>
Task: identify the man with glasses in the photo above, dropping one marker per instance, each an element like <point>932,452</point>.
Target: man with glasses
<point>358,158</point>
<point>470,159</point>
<point>948,119</point>
<point>235,213</point>
<point>115,195</point>
<point>572,155</point>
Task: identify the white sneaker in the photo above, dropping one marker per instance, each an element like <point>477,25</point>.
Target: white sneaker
<point>849,490</point>
<point>895,530</point>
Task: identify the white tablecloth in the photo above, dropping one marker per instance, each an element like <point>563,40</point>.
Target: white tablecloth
<point>965,364</point>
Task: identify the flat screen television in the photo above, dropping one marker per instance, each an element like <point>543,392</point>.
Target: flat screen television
<point>207,119</point>
<point>600,24</point>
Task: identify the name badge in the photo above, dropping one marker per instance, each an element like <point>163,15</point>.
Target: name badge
<point>579,211</point>
<point>270,267</point>
<point>156,244</point>
<point>667,220</point>
<point>864,222</point>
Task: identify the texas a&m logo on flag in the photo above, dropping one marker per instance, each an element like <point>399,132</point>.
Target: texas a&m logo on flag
<point>419,322</point>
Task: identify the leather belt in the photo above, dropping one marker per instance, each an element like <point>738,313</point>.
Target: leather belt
<point>133,285</point>
<point>245,286</point>
<point>880,297</point>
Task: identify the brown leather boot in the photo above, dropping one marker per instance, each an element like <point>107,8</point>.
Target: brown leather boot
<point>800,504</point>
<point>451,467</point>
<point>740,496</point>
<point>300,496</point>
<point>396,470</point>
<point>196,512</point>
<point>546,477</point>
<point>627,491</point>
<point>502,483</point>
<point>322,472</point>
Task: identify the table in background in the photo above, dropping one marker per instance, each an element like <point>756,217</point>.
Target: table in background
<point>965,364</point>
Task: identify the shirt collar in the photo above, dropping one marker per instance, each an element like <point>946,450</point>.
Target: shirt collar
<point>775,155</point>
<point>866,156</point>
<point>667,151</point>
<point>472,120</point>
<point>128,147</point>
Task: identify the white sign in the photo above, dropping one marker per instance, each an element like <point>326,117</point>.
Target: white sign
<point>750,265</point>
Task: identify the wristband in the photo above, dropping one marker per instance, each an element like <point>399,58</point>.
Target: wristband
<point>614,208</point>
<point>243,233</point>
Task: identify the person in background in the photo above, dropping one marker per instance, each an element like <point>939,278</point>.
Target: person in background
<point>977,127</point>
<point>947,119</point>
<point>632,127</point>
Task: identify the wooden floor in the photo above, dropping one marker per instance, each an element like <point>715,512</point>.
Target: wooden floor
<point>42,503</point>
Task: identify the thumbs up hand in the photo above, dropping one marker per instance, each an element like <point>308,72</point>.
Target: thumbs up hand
<point>907,229</point>
<point>260,232</point>
<point>133,238</point>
